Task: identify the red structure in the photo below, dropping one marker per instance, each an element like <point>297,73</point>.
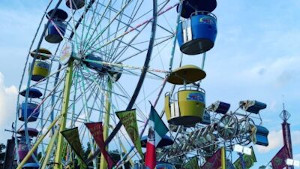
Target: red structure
<point>286,132</point>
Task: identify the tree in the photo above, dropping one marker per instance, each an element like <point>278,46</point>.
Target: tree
<point>115,155</point>
<point>2,147</point>
<point>2,155</point>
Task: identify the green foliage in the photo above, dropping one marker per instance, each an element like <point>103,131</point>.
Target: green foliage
<point>39,156</point>
<point>114,154</point>
<point>2,147</point>
<point>2,155</point>
<point>78,164</point>
<point>87,151</point>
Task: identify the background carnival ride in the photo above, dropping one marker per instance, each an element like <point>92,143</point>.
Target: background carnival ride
<point>100,54</point>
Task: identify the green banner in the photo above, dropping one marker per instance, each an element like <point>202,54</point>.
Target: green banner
<point>72,137</point>
<point>192,164</point>
<point>249,160</point>
<point>128,119</point>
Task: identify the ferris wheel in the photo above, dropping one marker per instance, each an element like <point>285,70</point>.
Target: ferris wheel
<point>92,58</point>
<point>88,60</point>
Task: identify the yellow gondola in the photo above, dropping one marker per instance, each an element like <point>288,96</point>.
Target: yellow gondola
<point>188,104</point>
<point>42,54</point>
<point>186,74</point>
<point>41,69</point>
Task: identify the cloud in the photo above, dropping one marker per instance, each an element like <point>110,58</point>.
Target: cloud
<point>278,72</point>
<point>8,96</point>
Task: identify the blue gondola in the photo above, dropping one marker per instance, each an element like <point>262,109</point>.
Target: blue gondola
<point>256,107</point>
<point>165,141</point>
<point>260,136</point>
<point>59,14</point>
<point>252,106</point>
<point>191,6</point>
<point>52,34</point>
<point>57,26</point>
<point>197,34</point>
<point>33,93</point>
<point>31,115</point>
<point>96,66</point>
<point>206,118</point>
<point>220,107</point>
<point>76,4</point>
<point>31,166</point>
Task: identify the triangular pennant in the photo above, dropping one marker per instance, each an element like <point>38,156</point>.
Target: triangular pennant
<point>72,137</point>
<point>214,161</point>
<point>128,119</point>
<point>248,160</point>
<point>192,164</point>
<point>96,129</point>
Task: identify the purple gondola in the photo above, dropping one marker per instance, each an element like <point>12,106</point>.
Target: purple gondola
<point>31,131</point>
<point>23,150</point>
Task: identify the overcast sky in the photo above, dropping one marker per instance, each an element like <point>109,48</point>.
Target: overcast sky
<point>256,56</point>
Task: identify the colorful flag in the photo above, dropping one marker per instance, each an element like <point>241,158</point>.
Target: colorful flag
<point>72,137</point>
<point>192,164</point>
<point>150,160</point>
<point>128,119</point>
<point>96,130</point>
<point>229,164</point>
<point>278,161</point>
<point>214,161</point>
<point>157,129</point>
<point>249,160</point>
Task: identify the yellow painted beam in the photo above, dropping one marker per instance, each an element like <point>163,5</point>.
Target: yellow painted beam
<point>103,163</point>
